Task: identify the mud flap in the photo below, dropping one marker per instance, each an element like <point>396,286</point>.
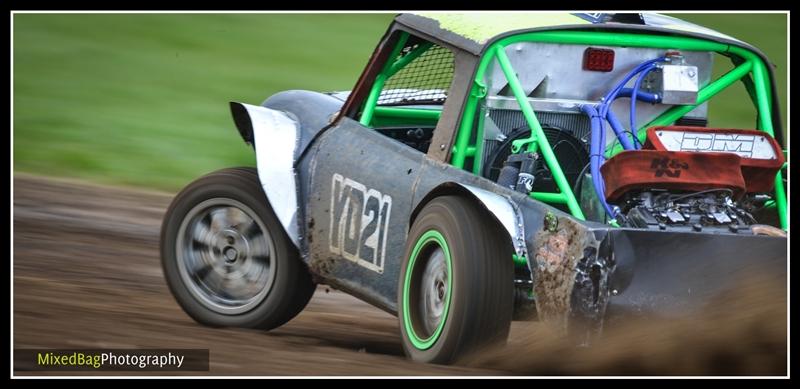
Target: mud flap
<point>571,266</point>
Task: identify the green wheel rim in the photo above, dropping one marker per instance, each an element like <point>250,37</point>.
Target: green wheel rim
<point>430,237</point>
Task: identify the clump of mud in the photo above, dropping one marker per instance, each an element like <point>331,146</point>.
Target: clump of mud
<point>740,332</point>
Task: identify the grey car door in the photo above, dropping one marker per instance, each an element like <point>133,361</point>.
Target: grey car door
<point>358,189</point>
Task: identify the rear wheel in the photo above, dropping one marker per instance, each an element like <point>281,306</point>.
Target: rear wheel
<point>226,258</point>
<point>456,289</point>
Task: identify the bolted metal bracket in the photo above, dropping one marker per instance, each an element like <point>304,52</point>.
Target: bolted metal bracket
<point>480,90</point>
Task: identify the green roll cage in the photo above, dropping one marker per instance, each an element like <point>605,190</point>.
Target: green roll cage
<point>746,64</point>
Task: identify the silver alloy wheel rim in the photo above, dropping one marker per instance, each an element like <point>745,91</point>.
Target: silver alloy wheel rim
<point>433,291</point>
<point>225,256</point>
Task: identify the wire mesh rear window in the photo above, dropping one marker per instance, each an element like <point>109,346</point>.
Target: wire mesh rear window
<point>424,80</point>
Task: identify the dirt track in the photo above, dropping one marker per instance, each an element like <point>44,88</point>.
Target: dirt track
<point>87,275</point>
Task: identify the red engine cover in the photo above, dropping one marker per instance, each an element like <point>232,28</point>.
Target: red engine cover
<point>671,170</point>
<point>761,156</point>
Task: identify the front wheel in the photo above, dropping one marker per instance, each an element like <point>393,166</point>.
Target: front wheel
<point>227,259</point>
<point>456,291</point>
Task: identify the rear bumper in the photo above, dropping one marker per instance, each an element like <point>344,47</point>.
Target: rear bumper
<point>674,272</point>
<point>584,271</point>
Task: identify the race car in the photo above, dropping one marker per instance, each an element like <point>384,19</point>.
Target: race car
<point>490,167</point>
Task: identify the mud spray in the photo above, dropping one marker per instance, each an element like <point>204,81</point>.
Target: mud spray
<point>742,331</point>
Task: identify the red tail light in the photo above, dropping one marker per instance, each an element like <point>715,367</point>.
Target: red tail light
<point>598,60</point>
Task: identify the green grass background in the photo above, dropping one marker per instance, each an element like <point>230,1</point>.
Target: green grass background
<point>141,99</point>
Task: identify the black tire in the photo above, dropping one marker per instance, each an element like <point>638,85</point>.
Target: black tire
<point>289,285</point>
<point>481,290</point>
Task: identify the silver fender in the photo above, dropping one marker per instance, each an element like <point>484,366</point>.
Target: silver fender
<point>502,208</point>
<point>507,213</point>
<point>274,135</point>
